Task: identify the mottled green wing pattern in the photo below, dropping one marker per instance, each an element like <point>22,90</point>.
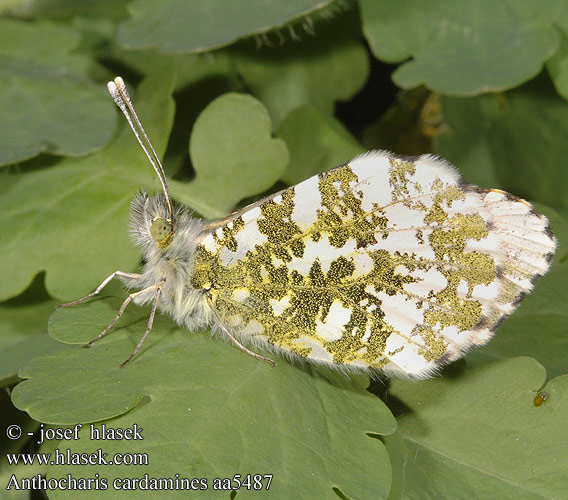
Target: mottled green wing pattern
<point>384,263</point>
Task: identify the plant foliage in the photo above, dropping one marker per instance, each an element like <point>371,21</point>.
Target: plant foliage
<point>241,100</point>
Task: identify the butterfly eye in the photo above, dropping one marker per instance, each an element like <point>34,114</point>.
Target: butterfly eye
<point>160,230</point>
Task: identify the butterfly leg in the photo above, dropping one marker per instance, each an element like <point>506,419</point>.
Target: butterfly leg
<point>100,287</point>
<point>158,288</point>
<point>150,325</point>
<point>242,347</point>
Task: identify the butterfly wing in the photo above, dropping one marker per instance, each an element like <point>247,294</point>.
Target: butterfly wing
<point>385,263</point>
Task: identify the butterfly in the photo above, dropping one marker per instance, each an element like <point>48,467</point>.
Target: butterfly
<point>387,263</point>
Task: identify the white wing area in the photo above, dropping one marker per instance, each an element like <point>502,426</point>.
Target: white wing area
<point>386,263</point>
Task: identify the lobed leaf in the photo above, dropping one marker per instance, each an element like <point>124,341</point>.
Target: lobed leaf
<point>233,155</point>
<point>333,65</point>
<point>481,435</point>
<point>194,26</point>
<point>532,121</point>
<point>23,328</point>
<point>92,195</point>
<point>207,409</point>
<point>557,65</point>
<point>70,220</point>
<point>316,142</point>
<point>48,102</point>
<point>462,48</point>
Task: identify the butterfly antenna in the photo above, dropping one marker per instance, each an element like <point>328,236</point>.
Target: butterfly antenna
<point>118,91</point>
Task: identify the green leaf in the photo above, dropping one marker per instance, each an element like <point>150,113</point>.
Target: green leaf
<point>48,102</point>
<point>194,26</point>
<point>65,9</point>
<point>198,69</point>
<point>8,417</point>
<point>316,142</point>
<point>466,137</point>
<point>557,65</point>
<point>70,220</point>
<point>481,436</point>
<point>531,121</point>
<point>462,48</point>
<point>23,331</point>
<point>207,409</point>
<point>84,203</point>
<point>332,66</point>
<point>233,154</point>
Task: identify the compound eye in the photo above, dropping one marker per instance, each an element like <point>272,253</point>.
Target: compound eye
<point>160,229</point>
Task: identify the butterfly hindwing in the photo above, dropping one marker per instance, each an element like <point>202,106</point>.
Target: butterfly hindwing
<point>385,263</point>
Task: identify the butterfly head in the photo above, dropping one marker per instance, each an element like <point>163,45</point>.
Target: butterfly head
<point>161,231</point>
<point>151,225</point>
